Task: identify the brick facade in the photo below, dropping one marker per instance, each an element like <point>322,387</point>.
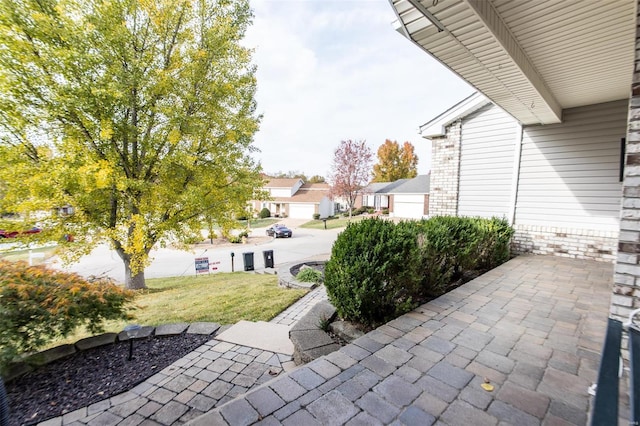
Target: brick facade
<point>445,176</point>
<point>564,242</point>
<point>626,289</point>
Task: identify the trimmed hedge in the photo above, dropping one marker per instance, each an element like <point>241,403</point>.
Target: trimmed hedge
<point>379,270</point>
<point>372,274</point>
<point>38,304</point>
<point>264,213</point>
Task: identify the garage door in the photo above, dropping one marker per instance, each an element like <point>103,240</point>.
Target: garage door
<point>408,206</point>
<point>301,211</point>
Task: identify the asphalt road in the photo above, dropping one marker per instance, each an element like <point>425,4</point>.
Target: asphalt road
<point>304,243</point>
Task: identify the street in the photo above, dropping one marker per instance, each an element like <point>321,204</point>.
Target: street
<point>168,262</point>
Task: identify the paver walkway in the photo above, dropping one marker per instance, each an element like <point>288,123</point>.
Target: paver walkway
<point>533,328</point>
<point>208,377</point>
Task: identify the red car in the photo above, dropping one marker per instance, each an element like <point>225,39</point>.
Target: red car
<point>14,234</point>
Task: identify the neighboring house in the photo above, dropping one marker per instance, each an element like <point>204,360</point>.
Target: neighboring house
<point>373,197</point>
<point>567,73</point>
<point>405,198</point>
<point>409,198</point>
<point>293,198</point>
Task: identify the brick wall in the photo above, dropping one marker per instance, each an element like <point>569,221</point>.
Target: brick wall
<point>565,242</point>
<point>443,195</point>
<point>626,289</point>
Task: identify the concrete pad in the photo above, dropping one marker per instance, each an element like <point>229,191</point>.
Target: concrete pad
<point>261,335</point>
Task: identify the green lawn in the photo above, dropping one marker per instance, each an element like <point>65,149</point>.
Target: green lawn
<point>225,298</point>
<point>331,223</point>
<point>259,223</point>
<point>41,255</point>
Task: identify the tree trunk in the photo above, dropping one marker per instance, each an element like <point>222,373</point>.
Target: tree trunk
<point>133,282</point>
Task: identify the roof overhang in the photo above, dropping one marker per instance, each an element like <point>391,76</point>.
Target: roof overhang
<point>531,58</point>
<point>437,127</point>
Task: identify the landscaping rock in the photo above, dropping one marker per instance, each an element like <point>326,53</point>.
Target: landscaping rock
<point>142,332</point>
<point>95,341</point>
<point>16,369</point>
<point>345,330</point>
<point>50,355</point>
<point>171,329</point>
<point>207,328</point>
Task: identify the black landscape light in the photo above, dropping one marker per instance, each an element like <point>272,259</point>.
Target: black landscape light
<point>132,331</point>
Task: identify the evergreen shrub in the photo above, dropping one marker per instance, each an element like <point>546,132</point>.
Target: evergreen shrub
<point>372,274</point>
<point>379,270</point>
<point>264,213</point>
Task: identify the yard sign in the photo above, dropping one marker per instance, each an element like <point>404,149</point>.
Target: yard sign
<point>202,265</point>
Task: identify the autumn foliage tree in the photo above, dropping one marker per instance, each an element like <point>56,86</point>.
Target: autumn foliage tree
<point>138,114</point>
<point>350,170</point>
<point>395,162</point>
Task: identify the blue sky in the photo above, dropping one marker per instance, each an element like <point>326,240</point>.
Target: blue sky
<point>332,70</point>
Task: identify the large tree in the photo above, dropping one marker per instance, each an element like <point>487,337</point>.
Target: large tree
<point>138,114</point>
<point>350,170</point>
<point>395,162</point>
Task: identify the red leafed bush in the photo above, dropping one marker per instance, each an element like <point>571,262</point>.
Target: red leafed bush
<point>38,304</point>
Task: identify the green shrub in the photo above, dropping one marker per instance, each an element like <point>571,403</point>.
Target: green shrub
<point>379,270</point>
<point>450,246</point>
<point>264,213</point>
<point>241,216</point>
<point>309,275</point>
<point>370,210</point>
<point>385,211</point>
<point>39,304</point>
<point>372,274</point>
<point>316,216</point>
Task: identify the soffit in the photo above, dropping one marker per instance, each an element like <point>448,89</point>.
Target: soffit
<point>532,58</point>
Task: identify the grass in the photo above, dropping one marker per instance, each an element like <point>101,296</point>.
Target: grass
<point>17,255</point>
<point>225,298</point>
<point>331,223</point>
<point>259,223</point>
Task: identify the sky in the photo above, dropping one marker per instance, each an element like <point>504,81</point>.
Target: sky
<point>331,70</point>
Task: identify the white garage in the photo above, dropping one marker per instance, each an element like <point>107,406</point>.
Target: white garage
<point>301,211</point>
<point>410,198</point>
<point>408,206</point>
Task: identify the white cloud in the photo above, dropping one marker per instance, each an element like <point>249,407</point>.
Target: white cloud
<point>333,70</point>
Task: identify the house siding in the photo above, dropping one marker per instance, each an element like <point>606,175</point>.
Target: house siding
<point>569,172</point>
<point>486,163</point>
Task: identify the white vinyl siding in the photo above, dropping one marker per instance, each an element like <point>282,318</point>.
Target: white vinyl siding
<point>569,172</point>
<point>486,163</point>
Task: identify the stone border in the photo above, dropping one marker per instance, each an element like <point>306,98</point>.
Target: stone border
<point>309,340</point>
<point>286,278</point>
<point>39,359</point>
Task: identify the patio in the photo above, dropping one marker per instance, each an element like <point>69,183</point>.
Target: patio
<point>532,327</point>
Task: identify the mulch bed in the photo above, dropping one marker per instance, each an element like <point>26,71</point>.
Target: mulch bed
<point>90,376</point>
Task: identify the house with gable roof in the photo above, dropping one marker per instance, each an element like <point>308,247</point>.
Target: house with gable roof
<point>564,168</point>
<point>291,197</point>
<point>405,198</point>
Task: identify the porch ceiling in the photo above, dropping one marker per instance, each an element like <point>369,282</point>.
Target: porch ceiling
<point>532,58</point>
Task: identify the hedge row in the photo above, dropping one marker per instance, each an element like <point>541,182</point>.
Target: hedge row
<point>379,270</point>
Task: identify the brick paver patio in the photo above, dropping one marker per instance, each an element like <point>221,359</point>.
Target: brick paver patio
<point>533,328</point>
